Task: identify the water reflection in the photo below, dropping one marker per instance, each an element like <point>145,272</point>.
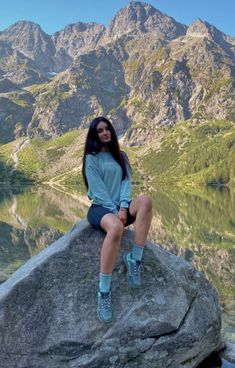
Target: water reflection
<point>30,220</point>
<point>199,227</point>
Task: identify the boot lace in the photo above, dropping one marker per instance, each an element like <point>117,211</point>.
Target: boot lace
<point>105,301</point>
<point>135,268</point>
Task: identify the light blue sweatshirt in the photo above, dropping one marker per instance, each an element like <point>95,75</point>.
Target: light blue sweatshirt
<point>105,184</point>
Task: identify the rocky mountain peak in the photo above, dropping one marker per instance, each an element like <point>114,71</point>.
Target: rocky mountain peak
<point>142,9</point>
<point>78,27</point>
<point>74,40</point>
<point>22,25</point>
<point>30,40</point>
<point>199,29</point>
<point>140,17</point>
<point>21,28</point>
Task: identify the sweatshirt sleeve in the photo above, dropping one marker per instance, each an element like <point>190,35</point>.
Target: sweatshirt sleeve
<point>96,187</point>
<point>125,194</point>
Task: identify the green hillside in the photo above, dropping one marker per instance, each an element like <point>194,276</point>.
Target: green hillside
<point>194,155</point>
<point>186,155</point>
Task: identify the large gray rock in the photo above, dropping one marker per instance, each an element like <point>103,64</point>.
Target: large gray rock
<point>48,310</point>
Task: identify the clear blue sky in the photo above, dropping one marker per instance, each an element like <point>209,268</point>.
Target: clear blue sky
<point>53,15</point>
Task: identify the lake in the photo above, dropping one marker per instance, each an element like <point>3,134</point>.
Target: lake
<point>198,227</point>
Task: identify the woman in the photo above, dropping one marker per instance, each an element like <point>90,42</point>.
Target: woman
<point>106,173</point>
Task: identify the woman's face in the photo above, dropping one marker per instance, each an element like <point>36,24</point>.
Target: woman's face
<point>104,133</point>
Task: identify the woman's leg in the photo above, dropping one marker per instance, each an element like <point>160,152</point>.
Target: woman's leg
<point>111,245</point>
<point>109,251</point>
<point>141,208</point>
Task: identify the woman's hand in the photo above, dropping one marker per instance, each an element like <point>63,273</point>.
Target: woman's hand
<point>122,215</point>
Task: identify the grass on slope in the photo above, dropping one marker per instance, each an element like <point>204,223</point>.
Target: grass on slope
<point>194,155</point>
<point>43,160</point>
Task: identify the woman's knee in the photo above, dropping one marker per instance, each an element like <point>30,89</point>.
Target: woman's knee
<point>145,202</point>
<point>112,225</point>
<point>116,230</point>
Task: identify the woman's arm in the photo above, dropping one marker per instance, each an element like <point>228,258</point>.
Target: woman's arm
<point>97,189</point>
<point>125,193</point>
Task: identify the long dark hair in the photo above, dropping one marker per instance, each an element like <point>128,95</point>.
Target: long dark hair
<point>93,146</point>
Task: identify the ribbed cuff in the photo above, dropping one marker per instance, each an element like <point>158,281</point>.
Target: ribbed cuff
<point>137,252</point>
<point>124,204</point>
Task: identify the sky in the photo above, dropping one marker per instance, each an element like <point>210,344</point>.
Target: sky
<point>54,15</point>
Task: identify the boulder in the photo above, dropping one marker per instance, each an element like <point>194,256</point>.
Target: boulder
<point>48,310</point>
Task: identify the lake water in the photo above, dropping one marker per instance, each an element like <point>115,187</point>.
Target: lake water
<point>200,228</point>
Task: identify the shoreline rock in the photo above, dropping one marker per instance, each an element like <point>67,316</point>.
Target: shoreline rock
<point>48,310</point>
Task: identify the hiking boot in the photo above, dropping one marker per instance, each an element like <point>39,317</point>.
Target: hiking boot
<point>104,309</point>
<point>133,271</point>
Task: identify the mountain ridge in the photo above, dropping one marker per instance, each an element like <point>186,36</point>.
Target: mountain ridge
<point>144,71</point>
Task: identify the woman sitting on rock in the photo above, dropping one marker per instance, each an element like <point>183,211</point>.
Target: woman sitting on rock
<point>107,175</point>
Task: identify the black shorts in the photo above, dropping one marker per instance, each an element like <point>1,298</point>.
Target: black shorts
<point>97,212</point>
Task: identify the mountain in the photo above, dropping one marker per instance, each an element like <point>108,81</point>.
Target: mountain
<point>29,39</point>
<point>74,40</point>
<point>17,67</point>
<point>140,18</point>
<point>145,71</point>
